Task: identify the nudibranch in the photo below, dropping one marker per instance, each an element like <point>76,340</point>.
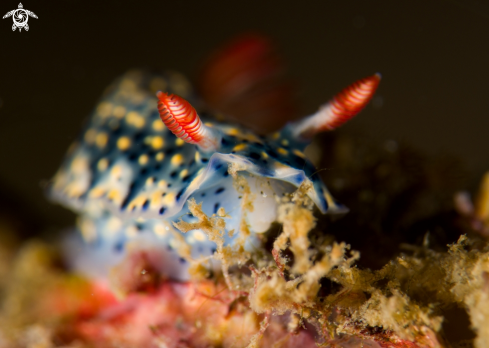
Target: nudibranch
<point>150,147</point>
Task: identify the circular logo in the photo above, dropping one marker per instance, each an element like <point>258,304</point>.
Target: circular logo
<point>20,17</point>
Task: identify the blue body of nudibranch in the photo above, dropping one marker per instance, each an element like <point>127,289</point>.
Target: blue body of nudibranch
<point>129,178</point>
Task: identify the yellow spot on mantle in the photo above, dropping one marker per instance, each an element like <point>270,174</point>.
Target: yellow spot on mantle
<point>88,230</point>
<point>115,196</point>
<point>282,151</point>
<point>233,131</point>
<point>158,125</point>
<point>90,136</point>
<point>159,156</point>
<point>136,202</point>
<point>157,142</point>
<point>104,109</point>
<point>298,153</point>
<point>177,159</point>
<point>119,111</point>
<point>160,230</point>
<point>150,181</point>
<point>169,199</point>
<point>102,164</point>
<point>79,165</point>
<point>162,183</point>
<point>135,119</point>
<point>96,192</point>
<point>183,173</point>
<point>143,160</point>
<point>116,171</point>
<point>199,235</point>
<point>155,199</point>
<point>239,147</point>
<point>101,139</point>
<point>75,189</point>
<point>179,142</point>
<point>123,143</point>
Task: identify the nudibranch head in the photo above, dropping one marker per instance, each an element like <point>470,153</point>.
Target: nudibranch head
<point>129,174</point>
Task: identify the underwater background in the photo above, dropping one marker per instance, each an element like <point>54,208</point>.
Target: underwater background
<point>424,136</point>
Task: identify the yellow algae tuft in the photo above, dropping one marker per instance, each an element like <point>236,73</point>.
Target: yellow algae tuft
<point>214,227</point>
<point>397,313</point>
<point>297,222</point>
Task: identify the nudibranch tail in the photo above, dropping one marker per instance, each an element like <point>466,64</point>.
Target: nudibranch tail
<point>343,107</point>
<point>182,120</point>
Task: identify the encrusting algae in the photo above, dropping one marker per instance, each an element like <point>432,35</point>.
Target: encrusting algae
<point>280,299</point>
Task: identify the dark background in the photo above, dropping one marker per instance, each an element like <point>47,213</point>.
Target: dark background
<point>433,56</point>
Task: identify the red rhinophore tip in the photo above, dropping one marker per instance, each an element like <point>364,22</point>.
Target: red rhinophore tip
<point>352,100</point>
<point>180,117</point>
<point>182,120</point>
<point>342,108</point>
